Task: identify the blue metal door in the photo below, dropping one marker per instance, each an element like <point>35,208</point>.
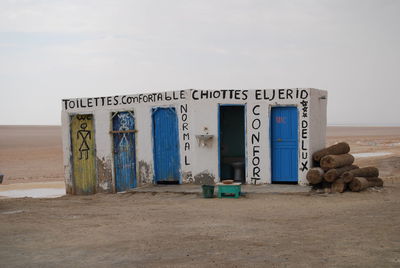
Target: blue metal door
<point>166,145</point>
<point>284,144</point>
<point>124,151</point>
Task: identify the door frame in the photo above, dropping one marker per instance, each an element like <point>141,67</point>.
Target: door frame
<point>71,157</point>
<point>114,173</point>
<point>153,109</point>
<point>270,136</point>
<point>219,137</point>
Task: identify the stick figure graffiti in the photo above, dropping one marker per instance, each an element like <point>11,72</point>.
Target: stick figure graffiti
<point>124,120</point>
<point>84,134</point>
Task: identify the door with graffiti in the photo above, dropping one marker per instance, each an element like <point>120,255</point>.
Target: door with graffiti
<point>124,150</point>
<point>83,154</point>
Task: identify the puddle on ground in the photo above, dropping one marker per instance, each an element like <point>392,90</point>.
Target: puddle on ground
<point>371,154</point>
<point>35,193</point>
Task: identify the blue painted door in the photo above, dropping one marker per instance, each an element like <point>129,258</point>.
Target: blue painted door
<point>166,145</point>
<point>124,151</point>
<point>284,144</point>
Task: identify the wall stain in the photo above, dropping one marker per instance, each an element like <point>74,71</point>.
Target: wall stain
<point>204,178</point>
<point>187,177</point>
<point>104,176</point>
<point>69,189</point>
<point>145,173</point>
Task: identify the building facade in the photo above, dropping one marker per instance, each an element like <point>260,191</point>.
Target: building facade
<point>120,142</point>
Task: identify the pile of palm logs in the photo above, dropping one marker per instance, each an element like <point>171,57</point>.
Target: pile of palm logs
<point>336,172</point>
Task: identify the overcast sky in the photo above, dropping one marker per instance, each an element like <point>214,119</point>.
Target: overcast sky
<point>54,49</point>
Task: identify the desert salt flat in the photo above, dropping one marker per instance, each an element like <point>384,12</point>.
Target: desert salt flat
<point>35,193</point>
<point>371,154</point>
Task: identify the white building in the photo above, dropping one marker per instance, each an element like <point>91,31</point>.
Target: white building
<point>256,136</point>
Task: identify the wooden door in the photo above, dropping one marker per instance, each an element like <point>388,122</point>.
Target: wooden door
<point>124,151</point>
<point>166,145</point>
<point>284,144</point>
<point>83,154</point>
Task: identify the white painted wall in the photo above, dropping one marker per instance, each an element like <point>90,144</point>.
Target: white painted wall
<point>196,115</point>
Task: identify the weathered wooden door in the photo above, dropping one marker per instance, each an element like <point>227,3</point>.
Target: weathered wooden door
<point>83,154</point>
<point>284,144</point>
<point>166,145</point>
<point>124,151</point>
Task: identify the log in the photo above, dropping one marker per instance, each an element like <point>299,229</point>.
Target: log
<point>336,161</point>
<point>375,182</point>
<point>326,187</point>
<point>358,184</point>
<point>338,186</point>
<point>361,172</point>
<point>315,175</point>
<point>339,148</point>
<point>333,174</point>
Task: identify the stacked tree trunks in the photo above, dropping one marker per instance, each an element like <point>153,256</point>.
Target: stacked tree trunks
<point>335,171</point>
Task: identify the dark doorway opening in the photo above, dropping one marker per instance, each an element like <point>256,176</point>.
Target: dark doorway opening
<point>232,142</point>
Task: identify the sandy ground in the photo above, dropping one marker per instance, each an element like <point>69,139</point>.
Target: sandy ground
<point>31,153</point>
<point>176,230</point>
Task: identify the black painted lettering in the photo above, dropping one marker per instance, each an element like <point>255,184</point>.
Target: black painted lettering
<point>185,136</point>
<point>71,104</point>
<point>256,123</point>
<point>82,103</point>
<point>258,94</point>
<point>304,166</point>
<point>273,95</point>
<point>289,93</point>
<point>65,104</point>
<point>256,173</point>
<point>281,94</point>
<point>303,94</point>
<point>237,94</point>
<point>256,161</point>
<point>216,94</point>
<point>255,137</point>
<point>304,133</point>
<point>254,109</point>
<point>223,93</point>
<point>184,117</point>
<point>184,108</point>
<point>204,94</point>
<point>244,94</point>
